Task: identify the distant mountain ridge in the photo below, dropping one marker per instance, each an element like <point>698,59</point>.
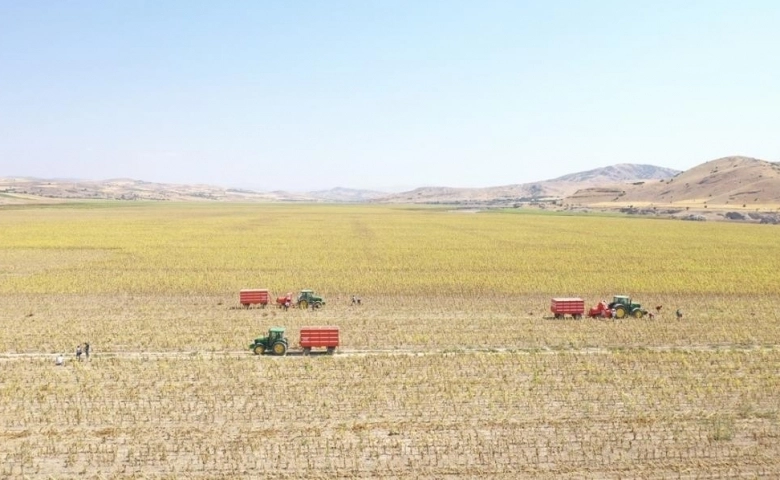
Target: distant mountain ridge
<point>341,194</point>
<point>545,190</point>
<point>27,190</point>
<point>17,190</point>
<point>731,182</point>
<point>622,172</point>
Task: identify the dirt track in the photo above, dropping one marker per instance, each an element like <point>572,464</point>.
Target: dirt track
<point>135,355</point>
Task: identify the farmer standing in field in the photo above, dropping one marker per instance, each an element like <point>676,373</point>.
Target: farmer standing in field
<point>78,353</point>
<point>86,350</point>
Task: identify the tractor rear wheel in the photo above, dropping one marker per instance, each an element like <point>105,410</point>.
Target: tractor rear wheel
<point>259,349</point>
<point>620,311</point>
<point>303,304</point>
<point>280,348</point>
<point>637,313</point>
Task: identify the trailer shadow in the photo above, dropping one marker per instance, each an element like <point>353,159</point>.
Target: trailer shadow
<point>298,353</point>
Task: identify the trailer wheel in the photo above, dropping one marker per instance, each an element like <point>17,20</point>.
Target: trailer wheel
<point>331,350</point>
<point>307,350</point>
<point>259,350</point>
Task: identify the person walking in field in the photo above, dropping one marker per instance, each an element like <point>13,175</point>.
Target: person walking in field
<point>86,350</point>
<point>78,353</point>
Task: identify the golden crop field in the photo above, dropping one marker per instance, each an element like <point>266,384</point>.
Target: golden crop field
<point>450,368</point>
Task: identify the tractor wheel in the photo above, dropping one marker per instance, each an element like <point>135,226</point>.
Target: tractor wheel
<point>316,305</point>
<point>259,350</point>
<point>637,313</point>
<point>280,348</point>
<point>620,311</point>
<point>303,304</point>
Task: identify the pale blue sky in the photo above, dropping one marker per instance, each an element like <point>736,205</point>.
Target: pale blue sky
<point>304,95</point>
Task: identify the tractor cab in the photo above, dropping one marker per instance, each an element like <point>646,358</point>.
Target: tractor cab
<point>275,334</point>
<point>307,298</point>
<point>622,306</point>
<point>621,300</point>
<point>274,342</point>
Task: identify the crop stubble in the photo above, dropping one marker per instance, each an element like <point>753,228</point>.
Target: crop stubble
<point>164,278</point>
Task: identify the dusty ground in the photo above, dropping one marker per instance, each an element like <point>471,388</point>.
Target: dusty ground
<point>441,389</point>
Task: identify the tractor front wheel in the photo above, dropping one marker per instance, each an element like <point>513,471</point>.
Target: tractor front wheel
<point>637,313</point>
<point>280,348</point>
<point>620,311</point>
<point>259,349</point>
<point>303,304</point>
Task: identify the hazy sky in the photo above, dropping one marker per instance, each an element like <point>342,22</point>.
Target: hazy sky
<point>304,95</point>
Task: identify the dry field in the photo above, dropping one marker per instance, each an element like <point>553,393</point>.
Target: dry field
<point>451,368</point>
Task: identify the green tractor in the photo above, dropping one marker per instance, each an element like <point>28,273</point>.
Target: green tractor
<point>275,342</point>
<point>308,298</point>
<point>623,307</point>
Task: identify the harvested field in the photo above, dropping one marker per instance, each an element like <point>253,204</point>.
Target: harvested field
<point>645,414</point>
<point>451,367</point>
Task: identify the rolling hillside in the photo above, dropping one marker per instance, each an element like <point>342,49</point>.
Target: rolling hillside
<point>720,188</point>
<point>725,183</point>
<point>19,190</point>
<point>537,191</point>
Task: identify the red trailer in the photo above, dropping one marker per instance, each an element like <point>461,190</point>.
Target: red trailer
<point>319,337</point>
<point>257,296</point>
<point>560,307</point>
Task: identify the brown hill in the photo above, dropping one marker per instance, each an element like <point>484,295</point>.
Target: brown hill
<point>546,190</point>
<point>22,190</point>
<point>32,190</point>
<point>724,184</point>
